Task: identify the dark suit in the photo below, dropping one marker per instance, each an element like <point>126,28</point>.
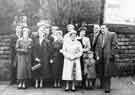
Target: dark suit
<point>106,48</point>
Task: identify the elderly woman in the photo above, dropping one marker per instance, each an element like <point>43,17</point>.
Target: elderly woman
<point>87,71</point>
<point>23,48</point>
<point>72,52</point>
<point>57,58</point>
<point>37,42</point>
<point>18,35</point>
<point>46,53</point>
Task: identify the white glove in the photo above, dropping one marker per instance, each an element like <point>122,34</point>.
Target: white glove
<point>51,61</point>
<point>37,59</point>
<point>61,51</point>
<point>97,57</point>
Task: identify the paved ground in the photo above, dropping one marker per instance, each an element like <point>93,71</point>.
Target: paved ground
<point>120,86</point>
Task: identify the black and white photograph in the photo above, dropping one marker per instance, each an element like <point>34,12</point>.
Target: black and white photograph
<point>67,47</point>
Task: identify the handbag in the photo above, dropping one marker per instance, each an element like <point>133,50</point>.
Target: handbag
<point>37,66</point>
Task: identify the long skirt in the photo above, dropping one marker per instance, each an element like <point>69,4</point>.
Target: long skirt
<point>57,66</point>
<point>24,66</point>
<point>46,72</point>
<point>72,70</point>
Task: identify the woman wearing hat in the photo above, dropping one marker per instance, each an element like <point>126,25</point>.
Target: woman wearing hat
<point>85,58</point>
<point>18,35</point>
<point>23,48</point>
<point>57,58</point>
<point>37,51</point>
<point>86,44</point>
<point>72,51</point>
<point>46,53</point>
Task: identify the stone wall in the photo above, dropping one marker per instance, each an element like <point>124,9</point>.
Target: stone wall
<point>126,38</point>
<point>5,57</point>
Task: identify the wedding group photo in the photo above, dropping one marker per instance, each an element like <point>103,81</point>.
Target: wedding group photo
<point>67,47</point>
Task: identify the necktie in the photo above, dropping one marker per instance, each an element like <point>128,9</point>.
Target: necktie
<point>102,38</point>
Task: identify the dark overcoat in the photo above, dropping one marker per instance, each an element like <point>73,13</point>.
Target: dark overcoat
<point>106,51</point>
<point>36,53</point>
<point>46,54</point>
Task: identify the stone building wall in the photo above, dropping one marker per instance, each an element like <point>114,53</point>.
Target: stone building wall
<point>126,38</point>
<point>5,58</point>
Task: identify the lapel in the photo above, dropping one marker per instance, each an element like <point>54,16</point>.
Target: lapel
<point>38,41</point>
<point>95,37</point>
<point>84,41</point>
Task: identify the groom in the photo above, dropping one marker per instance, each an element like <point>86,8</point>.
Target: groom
<point>105,50</point>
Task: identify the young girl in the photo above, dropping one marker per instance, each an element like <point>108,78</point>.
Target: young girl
<point>89,70</point>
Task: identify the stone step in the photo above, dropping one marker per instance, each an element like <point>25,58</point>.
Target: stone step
<point>4,57</point>
<point>5,36</point>
<point>5,40</point>
<point>126,51</point>
<point>5,52</point>
<point>4,48</point>
<point>126,43</point>
<point>4,44</point>
<point>127,47</point>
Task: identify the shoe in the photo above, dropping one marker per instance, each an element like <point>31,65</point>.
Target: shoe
<point>107,91</point>
<point>59,85</point>
<point>36,86</point>
<point>73,89</point>
<point>41,85</point>
<point>24,86</point>
<point>55,85</point>
<point>66,89</point>
<point>19,86</point>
